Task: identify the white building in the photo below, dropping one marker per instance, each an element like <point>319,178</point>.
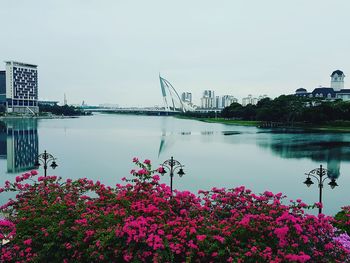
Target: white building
<point>249,100</point>
<point>224,101</point>
<point>186,97</point>
<point>252,100</point>
<point>337,80</point>
<point>335,91</point>
<point>21,87</point>
<point>208,99</point>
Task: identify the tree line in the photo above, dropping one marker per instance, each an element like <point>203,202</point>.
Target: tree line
<point>289,109</point>
<point>62,110</point>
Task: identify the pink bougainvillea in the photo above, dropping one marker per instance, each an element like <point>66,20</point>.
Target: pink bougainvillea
<point>141,220</point>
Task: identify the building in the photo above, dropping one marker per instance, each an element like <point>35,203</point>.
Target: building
<point>252,100</point>
<point>21,87</point>
<point>3,87</point>
<point>335,91</point>
<point>337,80</point>
<point>186,97</point>
<point>249,100</point>
<point>224,101</point>
<point>48,103</point>
<point>208,100</point>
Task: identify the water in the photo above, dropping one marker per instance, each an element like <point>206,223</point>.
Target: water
<point>101,147</point>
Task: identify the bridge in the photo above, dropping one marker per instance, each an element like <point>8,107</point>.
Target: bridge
<point>135,111</point>
<point>173,104</point>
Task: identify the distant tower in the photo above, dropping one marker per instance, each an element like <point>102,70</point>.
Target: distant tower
<point>337,80</point>
<point>64,99</point>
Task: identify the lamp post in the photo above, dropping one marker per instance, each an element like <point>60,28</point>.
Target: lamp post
<point>45,159</point>
<point>321,175</point>
<point>172,165</point>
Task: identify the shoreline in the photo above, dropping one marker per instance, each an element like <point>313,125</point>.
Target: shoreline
<point>331,127</point>
<point>35,117</point>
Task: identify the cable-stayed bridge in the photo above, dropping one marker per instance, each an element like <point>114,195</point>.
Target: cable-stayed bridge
<point>171,99</point>
<point>141,111</point>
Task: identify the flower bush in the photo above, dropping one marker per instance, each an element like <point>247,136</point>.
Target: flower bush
<point>142,221</point>
<point>342,219</point>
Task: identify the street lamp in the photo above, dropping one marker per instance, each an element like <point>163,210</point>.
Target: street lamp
<point>172,165</point>
<point>321,175</point>
<point>46,158</point>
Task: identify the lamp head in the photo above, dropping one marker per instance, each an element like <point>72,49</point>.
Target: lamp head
<point>53,165</point>
<point>332,183</point>
<point>308,182</point>
<point>181,172</point>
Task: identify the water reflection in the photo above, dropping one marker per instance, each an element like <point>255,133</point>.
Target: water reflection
<point>19,144</point>
<point>322,148</point>
<point>331,148</point>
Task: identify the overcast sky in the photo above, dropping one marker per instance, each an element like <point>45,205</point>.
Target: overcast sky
<point>110,51</point>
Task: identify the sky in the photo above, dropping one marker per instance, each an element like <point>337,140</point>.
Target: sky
<point>112,51</point>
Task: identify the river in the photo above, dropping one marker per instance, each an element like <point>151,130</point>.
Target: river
<point>101,147</point>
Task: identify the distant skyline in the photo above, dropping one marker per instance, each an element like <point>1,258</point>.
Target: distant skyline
<point>112,51</point>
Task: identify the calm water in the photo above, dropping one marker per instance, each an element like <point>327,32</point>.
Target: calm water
<point>101,147</point>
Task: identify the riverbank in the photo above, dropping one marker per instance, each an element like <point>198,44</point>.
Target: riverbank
<point>335,126</point>
<point>222,120</point>
<point>231,122</point>
<point>3,118</point>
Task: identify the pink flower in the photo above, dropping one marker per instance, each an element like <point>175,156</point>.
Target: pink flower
<point>160,169</point>
<point>127,257</point>
<point>135,160</point>
<point>142,171</point>
<point>219,238</point>
<point>27,242</point>
<point>156,177</point>
<point>268,194</point>
<point>34,172</point>
<point>68,245</point>
<point>201,237</point>
<point>147,161</point>
<point>318,205</point>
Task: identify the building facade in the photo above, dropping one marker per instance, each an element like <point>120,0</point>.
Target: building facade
<point>3,87</point>
<point>249,100</point>
<point>252,100</point>
<point>336,91</point>
<point>337,80</point>
<point>21,87</point>
<point>224,101</point>
<point>186,97</point>
<point>208,100</point>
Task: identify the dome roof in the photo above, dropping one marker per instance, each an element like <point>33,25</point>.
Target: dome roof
<point>338,72</point>
<point>301,90</point>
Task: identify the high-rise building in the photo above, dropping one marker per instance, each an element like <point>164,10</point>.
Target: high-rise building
<point>252,100</point>
<point>186,97</point>
<point>21,87</point>
<point>224,101</point>
<point>208,99</point>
